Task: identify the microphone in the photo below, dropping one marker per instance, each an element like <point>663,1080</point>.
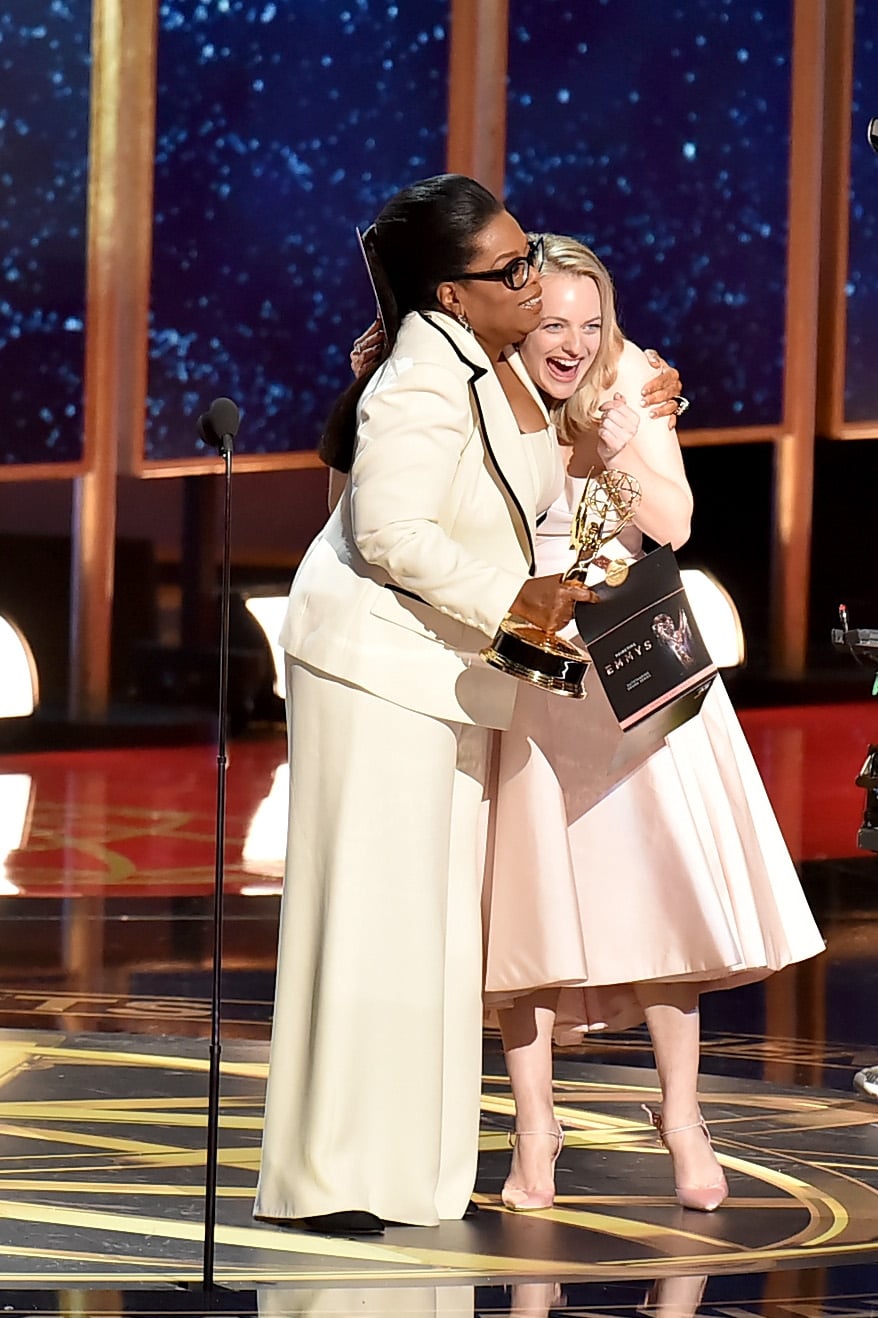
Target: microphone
<point>218,426</point>
<point>872,134</point>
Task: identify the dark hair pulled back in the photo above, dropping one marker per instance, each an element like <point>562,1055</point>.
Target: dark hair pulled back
<point>424,233</point>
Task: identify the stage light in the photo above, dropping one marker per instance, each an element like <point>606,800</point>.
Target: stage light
<point>268,611</point>
<point>265,843</point>
<point>16,803</point>
<point>718,619</point>
<point>19,690</point>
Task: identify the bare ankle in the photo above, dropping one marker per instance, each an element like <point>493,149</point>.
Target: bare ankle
<point>679,1116</point>
<point>536,1116</point>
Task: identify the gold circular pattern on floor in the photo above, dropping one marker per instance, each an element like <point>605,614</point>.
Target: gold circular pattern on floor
<point>101,1178</point>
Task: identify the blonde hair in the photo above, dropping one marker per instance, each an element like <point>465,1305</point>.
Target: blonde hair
<point>566,256</point>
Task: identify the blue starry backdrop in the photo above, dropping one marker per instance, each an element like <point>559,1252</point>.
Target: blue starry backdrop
<point>44,91</point>
<point>658,134</point>
<point>282,124</point>
<point>861,379</point>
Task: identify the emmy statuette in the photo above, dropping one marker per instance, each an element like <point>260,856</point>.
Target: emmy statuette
<point>520,648</point>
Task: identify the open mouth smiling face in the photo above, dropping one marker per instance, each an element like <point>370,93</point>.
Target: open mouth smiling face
<point>565,369</point>
<point>562,347</point>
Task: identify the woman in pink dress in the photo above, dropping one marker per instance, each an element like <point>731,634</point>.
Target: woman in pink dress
<point>618,891</point>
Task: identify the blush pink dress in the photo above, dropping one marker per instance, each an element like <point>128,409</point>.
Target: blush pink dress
<point>612,862</point>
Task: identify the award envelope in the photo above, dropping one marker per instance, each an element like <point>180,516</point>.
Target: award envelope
<point>383,300</point>
<point>645,645</point>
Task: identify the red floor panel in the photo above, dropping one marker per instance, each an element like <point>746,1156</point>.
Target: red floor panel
<point>142,822</point>
<point>809,757</point>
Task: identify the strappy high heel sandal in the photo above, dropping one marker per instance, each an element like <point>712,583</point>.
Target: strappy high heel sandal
<point>519,1200</point>
<point>704,1198</point>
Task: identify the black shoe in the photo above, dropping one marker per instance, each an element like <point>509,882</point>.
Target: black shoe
<point>471,1209</point>
<point>352,1223</point>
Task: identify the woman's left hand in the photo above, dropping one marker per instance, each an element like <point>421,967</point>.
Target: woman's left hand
<point>367,348</point>
<point>663,393</point>
<point>618,425</point>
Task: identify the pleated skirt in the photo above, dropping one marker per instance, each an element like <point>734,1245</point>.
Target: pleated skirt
<point>604,874</point>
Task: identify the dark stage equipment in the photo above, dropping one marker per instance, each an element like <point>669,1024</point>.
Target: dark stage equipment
<point>862,645</point>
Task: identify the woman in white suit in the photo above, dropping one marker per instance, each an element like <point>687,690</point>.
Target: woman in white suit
<point>450,461</point>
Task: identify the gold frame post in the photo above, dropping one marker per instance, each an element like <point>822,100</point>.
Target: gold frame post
<point>794,449</point>
<point>477,66</point>
<point>121,147</point>
<point>835,237</point>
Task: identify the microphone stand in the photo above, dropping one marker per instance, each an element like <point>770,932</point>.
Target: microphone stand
<point>219,427</point>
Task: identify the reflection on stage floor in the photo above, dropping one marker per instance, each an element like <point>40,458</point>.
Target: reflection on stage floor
<point>106,874</point>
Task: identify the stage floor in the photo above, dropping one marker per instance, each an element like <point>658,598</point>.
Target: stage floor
<point>102,1173</point>
<point>106,871</point>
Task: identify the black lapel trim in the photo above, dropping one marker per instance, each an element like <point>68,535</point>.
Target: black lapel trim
<point>400,590</point>
<point>508,488</point>
<point>477,373</point>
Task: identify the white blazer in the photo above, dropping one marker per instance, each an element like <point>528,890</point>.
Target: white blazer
<point>432,538</point>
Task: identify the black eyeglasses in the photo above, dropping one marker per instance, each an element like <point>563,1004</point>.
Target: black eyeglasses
<point>515,273</point>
